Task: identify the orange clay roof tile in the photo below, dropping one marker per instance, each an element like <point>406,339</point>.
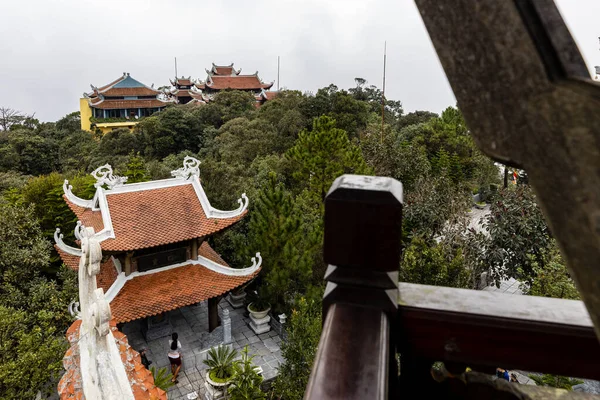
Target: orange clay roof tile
<point>108,271</point>
<point>237,82</point>
<point>152,294</point>
<point>153,217</point>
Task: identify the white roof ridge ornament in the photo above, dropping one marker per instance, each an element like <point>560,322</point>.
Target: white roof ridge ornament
<point>58,238</point>
<point>222,269</point>
<point>243,201</point>
<point>104,175</point>
<point>191,167</point>
<point>78,231</point>
<point>78,201</point>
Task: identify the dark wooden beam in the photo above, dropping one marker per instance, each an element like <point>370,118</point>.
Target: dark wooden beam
<point>351,364</point>
<point>489,330</point>
<point>529,101</point>
<point>356,358</point>
<point>213,313</point>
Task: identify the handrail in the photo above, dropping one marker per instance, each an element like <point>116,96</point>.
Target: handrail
<point>486,330</point>
<point>356,355</point>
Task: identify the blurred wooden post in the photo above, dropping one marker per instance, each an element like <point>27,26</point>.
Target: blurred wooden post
<point>363,229</point>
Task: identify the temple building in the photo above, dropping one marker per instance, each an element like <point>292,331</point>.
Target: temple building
<point>223,77</point>
<point>120,104</point>
<point>153,236</point>
<point>181,88</point>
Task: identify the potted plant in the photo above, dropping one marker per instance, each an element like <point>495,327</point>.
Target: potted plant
<point>246,380</point>
<point>259,308</point>
<point>220,361</point>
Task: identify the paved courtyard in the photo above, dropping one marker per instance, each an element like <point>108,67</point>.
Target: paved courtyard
<point>191,323</point>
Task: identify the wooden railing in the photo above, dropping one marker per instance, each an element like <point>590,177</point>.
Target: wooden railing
<point>370,318</point>
<point>529,102</point>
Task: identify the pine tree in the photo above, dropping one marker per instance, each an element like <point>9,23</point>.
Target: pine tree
<point>136,169</point>
<point>323,154</point>
<point>275,231</point>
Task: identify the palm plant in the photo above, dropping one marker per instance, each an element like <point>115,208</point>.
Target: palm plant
<point>246,381</point>
<point>220,361</point>
<point>162,378</point>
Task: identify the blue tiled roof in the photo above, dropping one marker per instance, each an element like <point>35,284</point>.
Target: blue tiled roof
<point>129,82</point>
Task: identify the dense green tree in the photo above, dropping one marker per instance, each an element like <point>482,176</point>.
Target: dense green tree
<point>414,118</point>
<point>434,264</point>
<point>12,180</point>
<point>433,204</point>
<point>240,141</point>
<point>553,279</point>
<point>44,194</point>
<point>75,151</point>
<point>33,309</point>
<point>389,156</point>
<point>275,231</point>
<point>136,169</point>
<point>519,238</point>
<point>303,334</point>
<point>120,141</point>
<point>36,154</point>
<point>323,154</point>
<point>70,123</point>
<point>350,114</point>
<point>233,104</point>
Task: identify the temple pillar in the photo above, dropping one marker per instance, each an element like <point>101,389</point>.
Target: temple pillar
<point>128,257</point>
<point>213,313</point>
<point>226,327</point>
<point>194,249</point>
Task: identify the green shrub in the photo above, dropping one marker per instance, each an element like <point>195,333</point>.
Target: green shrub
<point>220,361</point>
<point>162,378</point>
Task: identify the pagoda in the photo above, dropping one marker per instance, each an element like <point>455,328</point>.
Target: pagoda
<point>223,77</point>
<point>181,88</point>
<point>153,236</point>
<point>124,99</point>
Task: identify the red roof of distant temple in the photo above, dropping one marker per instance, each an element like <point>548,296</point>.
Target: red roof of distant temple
<point>238,82</point>
<point>223,70</point>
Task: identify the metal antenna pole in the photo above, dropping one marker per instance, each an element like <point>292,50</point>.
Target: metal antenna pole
<point>383,90</point>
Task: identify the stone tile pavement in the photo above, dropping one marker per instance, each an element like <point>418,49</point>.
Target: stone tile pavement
<point>511,286</point>
<point>191,323</point>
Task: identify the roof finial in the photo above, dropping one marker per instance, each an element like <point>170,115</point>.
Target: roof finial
<point>104,175</point>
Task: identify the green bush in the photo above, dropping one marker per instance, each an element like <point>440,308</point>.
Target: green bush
<point>220,361</point>
<point>162,378</point>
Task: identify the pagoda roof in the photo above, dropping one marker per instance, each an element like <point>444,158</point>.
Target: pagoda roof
<point>237,82</point>
<point>265,95</point>
<point>143,294</point>
<point>141,215</point>
<point>124,86</point>
<point>183,81</point>
<point>223,70</point>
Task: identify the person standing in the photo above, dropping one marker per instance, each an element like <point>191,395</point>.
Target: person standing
<point>174,355</point>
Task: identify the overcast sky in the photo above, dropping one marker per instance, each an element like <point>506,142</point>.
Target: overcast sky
<point>51,50</point>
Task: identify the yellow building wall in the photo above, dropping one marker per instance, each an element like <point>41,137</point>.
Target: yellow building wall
<point>86,113</point>
<point>106,127</point>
